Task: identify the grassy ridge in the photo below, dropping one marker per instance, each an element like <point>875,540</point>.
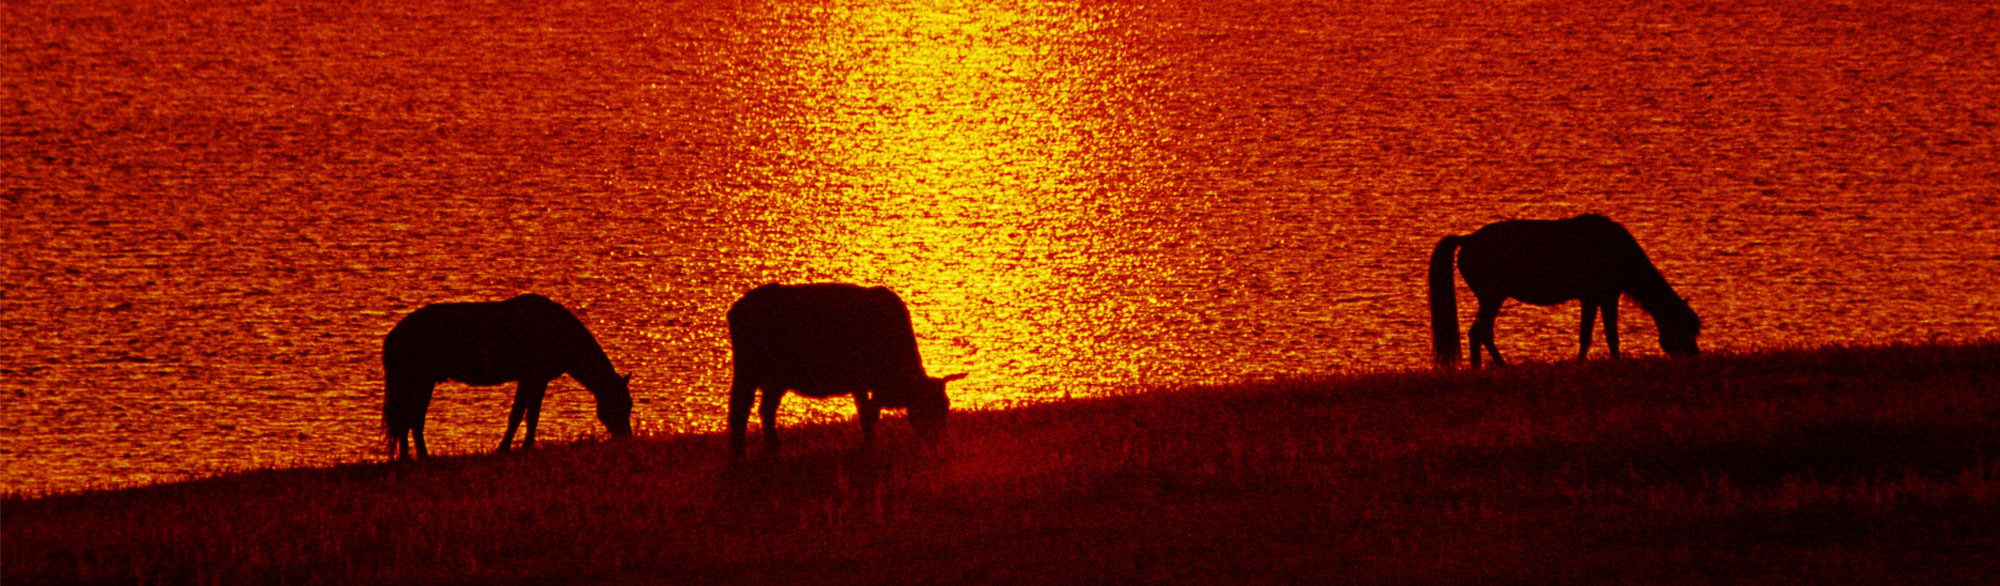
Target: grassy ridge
<point>1828,465</point>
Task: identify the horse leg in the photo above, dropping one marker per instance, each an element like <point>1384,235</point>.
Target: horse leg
<point>742,394</point>
<point>417,433</point>
<point>768,412</point>
<point>1611,325</point>
<point>422,406</point>
<point>1583,335</point>
<point>534,396</point>
<point>871,411</point>
<point>1482,330</point>
<point>514,414</point>
<point>395,418</point>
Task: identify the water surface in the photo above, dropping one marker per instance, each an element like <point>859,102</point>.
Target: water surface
<point>214,213</point>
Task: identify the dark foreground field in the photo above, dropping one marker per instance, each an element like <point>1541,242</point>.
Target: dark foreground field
<point>1822,466</point>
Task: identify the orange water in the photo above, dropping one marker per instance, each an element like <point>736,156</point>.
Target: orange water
<point>214,213</point>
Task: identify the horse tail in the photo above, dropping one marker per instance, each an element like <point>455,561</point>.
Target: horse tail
<point>402,398</point>
<point>1444,301</point>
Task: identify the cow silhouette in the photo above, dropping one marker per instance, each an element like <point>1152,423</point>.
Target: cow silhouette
<point>1548,262</point>
<point>528,339</point>
<point>827,340</point>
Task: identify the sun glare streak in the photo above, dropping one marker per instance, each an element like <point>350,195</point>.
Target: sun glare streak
<point>956,152</point>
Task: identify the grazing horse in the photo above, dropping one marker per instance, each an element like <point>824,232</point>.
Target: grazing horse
<point>527,339</point>
<point>1548,262</point>
<point>828,340</point>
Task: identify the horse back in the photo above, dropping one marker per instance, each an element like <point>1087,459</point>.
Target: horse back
<point>1546,262</point>
<point>485,343</point>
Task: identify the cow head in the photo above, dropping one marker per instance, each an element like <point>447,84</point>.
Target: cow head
<point>927,402</point>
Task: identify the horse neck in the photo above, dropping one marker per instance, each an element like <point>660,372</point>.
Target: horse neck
<point>592,368</point>
<point>1650,290</point>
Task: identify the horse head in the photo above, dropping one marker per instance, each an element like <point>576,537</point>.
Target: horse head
<point>1678,330</point>
<point>614,406</point>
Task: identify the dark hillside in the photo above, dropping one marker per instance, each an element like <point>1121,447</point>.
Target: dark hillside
<point>1837,465</point>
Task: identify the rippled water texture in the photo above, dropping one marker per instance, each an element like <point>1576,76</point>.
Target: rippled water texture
<point>214,213</point>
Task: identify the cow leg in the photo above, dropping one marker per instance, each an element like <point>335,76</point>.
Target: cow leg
<point>415,402</point>
<point>1583,334</point>
<point>767,411</point>
<point>534,396</point>
<point>871,412</point>
<point>742,394</point>
<point>403,406</point>
<point>1611,325</point>
<point>1482,330</point>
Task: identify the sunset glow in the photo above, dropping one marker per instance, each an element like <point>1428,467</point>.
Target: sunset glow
<point>215,215</point>
<point>1229,291</point>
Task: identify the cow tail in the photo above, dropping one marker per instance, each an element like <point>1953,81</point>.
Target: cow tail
<point>1444,302</point>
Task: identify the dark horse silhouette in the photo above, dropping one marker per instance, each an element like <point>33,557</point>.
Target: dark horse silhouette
<point>527,339</point>
<point>1547,262</point>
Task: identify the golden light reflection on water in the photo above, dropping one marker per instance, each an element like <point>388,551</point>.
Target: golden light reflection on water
<point>213,217</point>
<point>955,152</point>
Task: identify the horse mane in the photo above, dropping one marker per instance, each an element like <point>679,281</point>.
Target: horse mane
<point>1643,281</point>
<point>1657,297</point>
<point>585,358</point>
